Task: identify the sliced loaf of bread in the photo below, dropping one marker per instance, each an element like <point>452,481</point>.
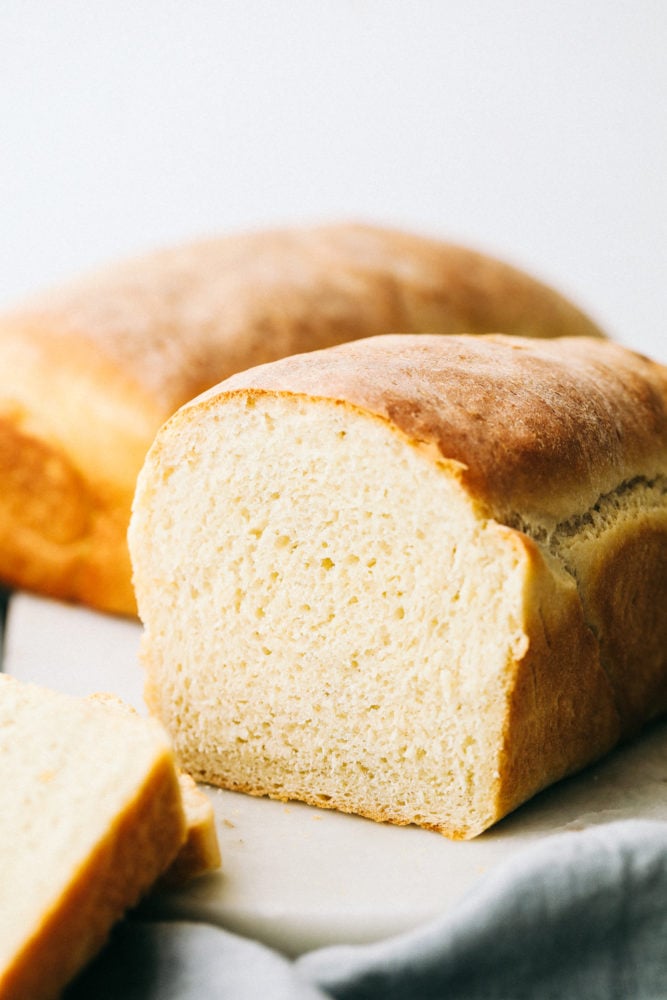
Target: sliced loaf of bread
<point>413,577</point>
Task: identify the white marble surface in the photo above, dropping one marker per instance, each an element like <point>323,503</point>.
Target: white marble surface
<point>296,877</point>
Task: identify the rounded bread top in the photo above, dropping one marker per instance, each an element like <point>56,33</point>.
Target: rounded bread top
<point>539,428</point>
<point>181,319</point>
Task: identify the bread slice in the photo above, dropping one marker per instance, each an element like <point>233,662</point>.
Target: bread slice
<point>90,817</point>
<point>89,372</point>
<point>415,578</point>
<point>200,851</point>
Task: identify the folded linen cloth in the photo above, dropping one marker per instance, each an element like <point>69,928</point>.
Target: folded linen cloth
<point>581,915</point>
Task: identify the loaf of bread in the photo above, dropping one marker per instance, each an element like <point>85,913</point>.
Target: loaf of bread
<point>90,816</point>
<point>88,373</point>
<point>414,578</point>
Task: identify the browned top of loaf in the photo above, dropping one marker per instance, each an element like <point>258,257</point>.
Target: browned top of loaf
<point>179,320</point>
<point>543,427</point>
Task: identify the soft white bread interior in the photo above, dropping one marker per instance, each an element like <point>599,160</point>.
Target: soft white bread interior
<point>90,816</point>
<point>90,371</point>
<point>415,578</point>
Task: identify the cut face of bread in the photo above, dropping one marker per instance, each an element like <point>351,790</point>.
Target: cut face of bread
<point>361,588</point>
<point>90,816</point>
<point>90,371</point>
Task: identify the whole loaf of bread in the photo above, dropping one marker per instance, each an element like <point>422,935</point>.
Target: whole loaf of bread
<point>89,372</point>
<point>417,578</point>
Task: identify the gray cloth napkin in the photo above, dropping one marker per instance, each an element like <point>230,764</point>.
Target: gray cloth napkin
<point>581,915</point>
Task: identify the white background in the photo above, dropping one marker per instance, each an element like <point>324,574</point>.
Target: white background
<point>533,130</point>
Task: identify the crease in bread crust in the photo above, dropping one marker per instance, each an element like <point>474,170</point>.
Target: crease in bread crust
<point>596,547</point>
<point>595,517</point>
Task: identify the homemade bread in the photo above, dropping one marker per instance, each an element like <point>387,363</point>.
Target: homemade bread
<point>90,817</point>
<point>200,851</point>
<point>88,373</point>
<point>415,578</point>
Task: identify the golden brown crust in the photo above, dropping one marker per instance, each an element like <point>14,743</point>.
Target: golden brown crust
<point>57,535</point>
<point>200,853</point>
<point>181,319</point>
<point>73,433</point>
<point>93,369</point>
<point>562,710</point>
<point>124,866</point>
<point>519,415</point>
<point>624,593</point>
